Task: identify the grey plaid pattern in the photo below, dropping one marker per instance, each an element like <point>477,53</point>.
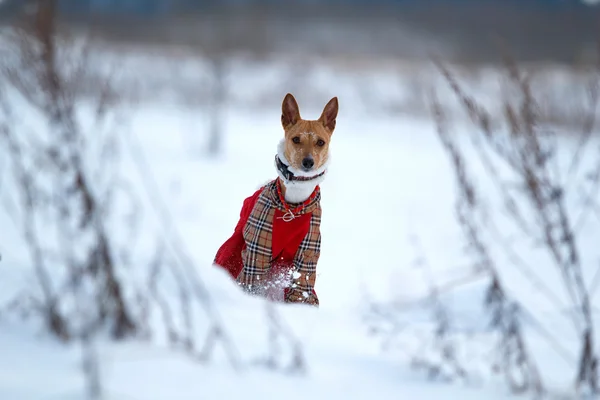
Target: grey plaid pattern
<point>257,255</point>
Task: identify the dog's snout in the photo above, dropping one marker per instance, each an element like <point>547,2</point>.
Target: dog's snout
<point>308,162</point>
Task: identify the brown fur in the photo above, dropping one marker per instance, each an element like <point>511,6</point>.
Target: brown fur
<point>307,137</point>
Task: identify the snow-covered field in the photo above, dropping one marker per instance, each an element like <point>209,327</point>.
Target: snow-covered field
<point>390,180</point>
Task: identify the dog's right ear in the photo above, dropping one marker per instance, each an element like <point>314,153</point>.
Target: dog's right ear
<point>290,113</point>
<point>329,115</point>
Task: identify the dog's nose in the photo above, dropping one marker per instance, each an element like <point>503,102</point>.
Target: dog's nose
<point>308,162</point>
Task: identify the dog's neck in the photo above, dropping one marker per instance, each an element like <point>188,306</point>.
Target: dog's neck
<point>298,191</point>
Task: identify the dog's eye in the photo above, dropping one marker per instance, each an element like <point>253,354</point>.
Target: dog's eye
<point>296,140</point>
<point>320,143</point>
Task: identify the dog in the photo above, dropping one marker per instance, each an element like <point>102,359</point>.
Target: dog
<point>276,243</point>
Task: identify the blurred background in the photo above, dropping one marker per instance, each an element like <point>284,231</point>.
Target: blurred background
<point>201,53</point>
<point>535,30</point>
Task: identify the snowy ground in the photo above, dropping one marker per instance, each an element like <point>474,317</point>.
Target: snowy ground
<point>204,198</point>
<point>389,180</point>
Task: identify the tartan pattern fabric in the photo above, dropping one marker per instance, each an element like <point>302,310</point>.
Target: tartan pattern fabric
<point>305,264</point>
<point>257,257</point>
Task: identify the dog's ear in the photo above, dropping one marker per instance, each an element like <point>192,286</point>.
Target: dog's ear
<point>290,113</point>
<point>329,114</point>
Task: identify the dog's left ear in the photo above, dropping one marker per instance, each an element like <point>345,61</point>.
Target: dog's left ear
<point>329,114</point>
<point>290,113</point>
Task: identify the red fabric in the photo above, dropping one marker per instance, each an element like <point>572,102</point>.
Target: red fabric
<point>287,237</point>
<point>229,255</point>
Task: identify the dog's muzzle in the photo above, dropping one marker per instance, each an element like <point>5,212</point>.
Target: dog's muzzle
<point>287,174</point>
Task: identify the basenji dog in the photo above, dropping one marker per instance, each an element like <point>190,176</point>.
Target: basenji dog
<point>276,244</point>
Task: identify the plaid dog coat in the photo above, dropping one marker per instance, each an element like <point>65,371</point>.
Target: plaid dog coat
<point>268,250</point>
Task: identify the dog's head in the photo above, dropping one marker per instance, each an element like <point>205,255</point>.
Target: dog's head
<point>307,141</point>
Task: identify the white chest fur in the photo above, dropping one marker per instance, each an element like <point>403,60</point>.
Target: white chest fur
<point>297,192</point>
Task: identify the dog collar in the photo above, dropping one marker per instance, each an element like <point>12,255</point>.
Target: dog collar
<point>288,175</point>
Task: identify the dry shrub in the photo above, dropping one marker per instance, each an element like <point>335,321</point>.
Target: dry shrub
<point>528,184</point>
<point>61,130</point>
<point>539,184</point>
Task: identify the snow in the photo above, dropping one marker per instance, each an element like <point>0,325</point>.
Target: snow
<point>389,180</point>
<point>345,368</point>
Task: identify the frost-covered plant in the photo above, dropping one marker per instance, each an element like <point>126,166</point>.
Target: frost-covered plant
<point>544,183</point>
